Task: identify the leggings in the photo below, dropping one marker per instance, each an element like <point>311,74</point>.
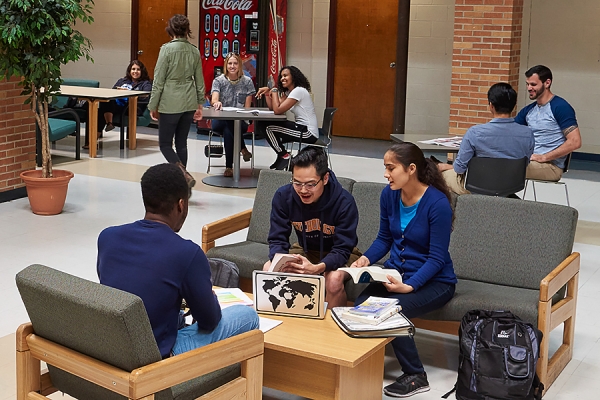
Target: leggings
<point>174,126</point>
<point>282,132</point>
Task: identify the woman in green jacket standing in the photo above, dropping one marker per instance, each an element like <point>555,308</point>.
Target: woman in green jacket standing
<point>177,92</point>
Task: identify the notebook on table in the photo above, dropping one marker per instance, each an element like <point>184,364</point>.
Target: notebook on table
<point>287,294</point>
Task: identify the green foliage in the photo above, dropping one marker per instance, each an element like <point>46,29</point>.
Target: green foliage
<point>37,37</point>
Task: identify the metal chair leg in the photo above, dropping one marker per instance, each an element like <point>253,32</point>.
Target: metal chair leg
<point>567,195</point>
<point>208,155</point>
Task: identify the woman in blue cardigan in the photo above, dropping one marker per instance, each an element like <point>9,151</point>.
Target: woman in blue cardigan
<point>415,225</point>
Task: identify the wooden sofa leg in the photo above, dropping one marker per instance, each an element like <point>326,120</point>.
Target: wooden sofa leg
<point>28,368</point>
<point>252,370</point>
<point>544,313</point>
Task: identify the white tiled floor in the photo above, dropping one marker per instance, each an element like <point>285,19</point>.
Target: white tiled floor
<point>105,191</point>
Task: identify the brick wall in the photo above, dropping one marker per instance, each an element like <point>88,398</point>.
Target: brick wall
<point>17,136</point>
<point>486,50</point>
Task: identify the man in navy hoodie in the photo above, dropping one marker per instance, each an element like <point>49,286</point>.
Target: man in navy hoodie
<point>324,216</point>
<point>149,259</point>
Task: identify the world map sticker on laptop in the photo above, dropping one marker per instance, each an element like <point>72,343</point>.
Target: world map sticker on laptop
<point>289,294</point>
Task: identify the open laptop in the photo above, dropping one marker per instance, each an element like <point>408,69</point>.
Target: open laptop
<point>294,295</point>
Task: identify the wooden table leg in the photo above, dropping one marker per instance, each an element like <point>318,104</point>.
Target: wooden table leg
<point>365,381</point>
<point>132,122</point>
<point>93,123</point>
<point>319,379</point>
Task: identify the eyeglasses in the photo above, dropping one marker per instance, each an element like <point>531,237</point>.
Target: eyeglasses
<point>307,185</point>
<point>230,54</point>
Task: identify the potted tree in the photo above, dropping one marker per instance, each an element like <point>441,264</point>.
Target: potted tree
<point>36,38</point>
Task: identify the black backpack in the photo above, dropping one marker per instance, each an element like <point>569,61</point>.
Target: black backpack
<point>497,359</point>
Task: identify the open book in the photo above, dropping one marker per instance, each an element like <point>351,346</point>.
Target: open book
<point>279,260</point>
<point>366,274</point>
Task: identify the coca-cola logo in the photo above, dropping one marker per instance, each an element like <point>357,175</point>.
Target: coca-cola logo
<point>241,5</point>
<point>274,56</point>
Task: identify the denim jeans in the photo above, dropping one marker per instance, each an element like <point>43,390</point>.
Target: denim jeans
<point>431,296</point>
<point>234,320</point>
<point>225,127</point>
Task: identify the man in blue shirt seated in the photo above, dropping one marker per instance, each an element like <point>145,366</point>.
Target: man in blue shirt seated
<point>554,126</point>
<point>502,137</point>
<point>149,259</point>
<point>324,216</point>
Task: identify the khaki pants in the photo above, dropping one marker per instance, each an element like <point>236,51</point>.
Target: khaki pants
<point>314,256</point>
<point>453,181</point>
<point>543,171</point>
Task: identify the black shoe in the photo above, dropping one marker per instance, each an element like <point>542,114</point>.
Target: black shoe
<point>281,163</point>
<point>407,385</point>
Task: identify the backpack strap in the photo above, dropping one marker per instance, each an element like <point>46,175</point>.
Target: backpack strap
<point>450,392</point>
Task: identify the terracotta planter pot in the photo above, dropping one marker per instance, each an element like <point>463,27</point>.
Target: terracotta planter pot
<point>46,195</point>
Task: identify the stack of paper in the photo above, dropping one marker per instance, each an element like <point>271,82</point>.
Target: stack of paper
<point>396,325</point>
<point>228,297</point>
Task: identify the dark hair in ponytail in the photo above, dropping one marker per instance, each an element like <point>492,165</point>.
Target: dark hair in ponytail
<point>407,153</point>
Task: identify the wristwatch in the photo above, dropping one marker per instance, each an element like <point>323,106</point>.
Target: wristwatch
<point>274,90</point>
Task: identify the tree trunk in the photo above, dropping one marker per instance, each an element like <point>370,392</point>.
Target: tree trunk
<point>41,116</point>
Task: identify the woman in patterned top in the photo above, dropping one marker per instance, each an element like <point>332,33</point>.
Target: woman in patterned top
<point>231,89</point>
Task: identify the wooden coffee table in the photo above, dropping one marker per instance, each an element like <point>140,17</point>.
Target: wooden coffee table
<point>314,358</point>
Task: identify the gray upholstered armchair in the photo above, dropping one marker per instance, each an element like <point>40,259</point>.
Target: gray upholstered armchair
<point>98,344</point>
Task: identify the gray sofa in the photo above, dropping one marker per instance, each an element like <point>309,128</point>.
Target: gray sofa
<point>508,254</point>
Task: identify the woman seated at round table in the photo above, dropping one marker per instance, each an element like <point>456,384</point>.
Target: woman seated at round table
<point>136,78</point>
<point>231,89</point>
<point>292,93</point>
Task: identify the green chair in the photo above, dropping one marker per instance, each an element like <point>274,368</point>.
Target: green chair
<point>98,344</point>
<point>60,102</point>
<point>58,129</point>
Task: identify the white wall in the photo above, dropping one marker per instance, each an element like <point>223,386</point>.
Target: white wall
<point>431,36</point>
<point>565,36</point>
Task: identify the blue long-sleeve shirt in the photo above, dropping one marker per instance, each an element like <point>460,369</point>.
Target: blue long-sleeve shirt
<point>148,259</point>
<point>420,252</point>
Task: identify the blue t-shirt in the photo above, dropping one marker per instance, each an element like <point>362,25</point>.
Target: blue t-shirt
<point>499,138</point>
<point>548,123</point>
<point>407,213</point>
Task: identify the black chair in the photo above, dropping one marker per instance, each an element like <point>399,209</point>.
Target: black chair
<point>496,176</point>
<point>122,121</point>
<point>325,131</point>
<point>533,181</point>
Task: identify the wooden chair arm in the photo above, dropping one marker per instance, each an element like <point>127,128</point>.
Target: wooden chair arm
<point>88,368</point>
<point>223,227</point>
<point>191,364</point>
<point>154,377</point>
<point>559,277</point>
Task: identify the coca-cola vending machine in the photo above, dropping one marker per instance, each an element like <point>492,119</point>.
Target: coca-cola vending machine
<point>254,29</point>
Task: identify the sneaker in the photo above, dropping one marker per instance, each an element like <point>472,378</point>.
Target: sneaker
<point>246,155</point>
<point>407,385</point>
<point>109,127</point>
<point>281,163</point>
